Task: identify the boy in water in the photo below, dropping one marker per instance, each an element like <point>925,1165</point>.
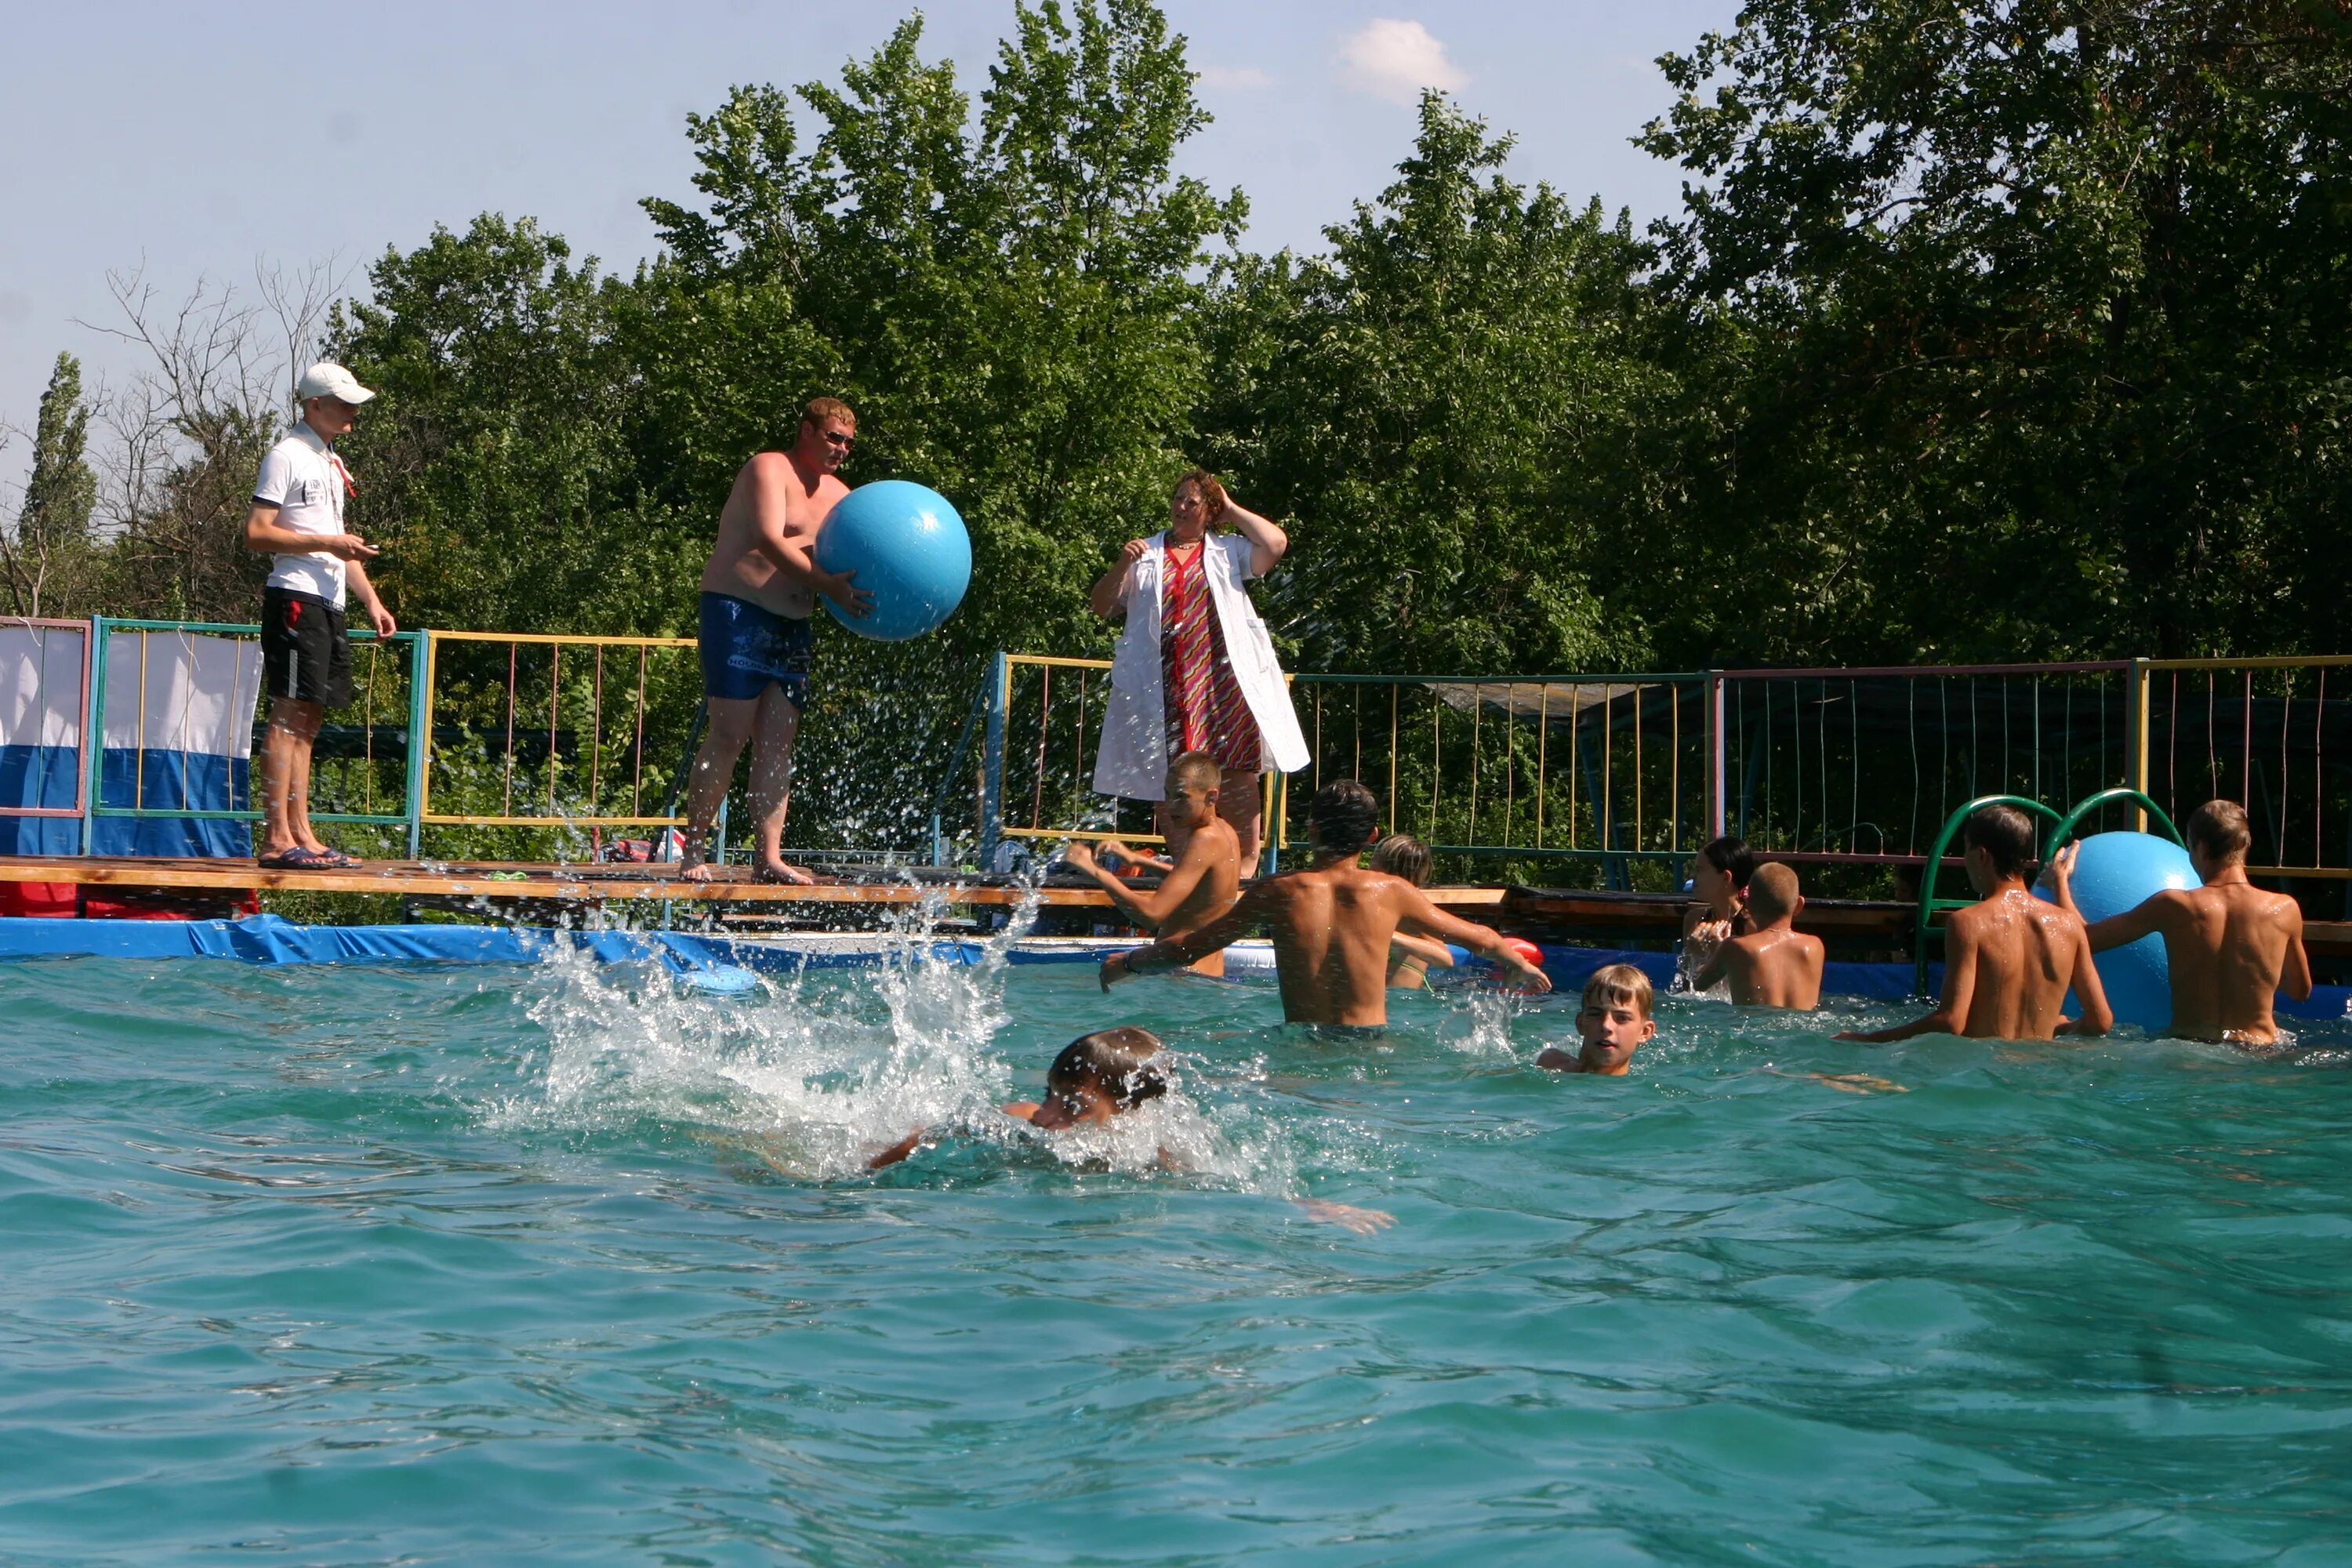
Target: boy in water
<point>1204,879</point>
<point>1410,957</point>
<point>2228,945</point>
<point>2009,958</point>
<point>1331,924</point>
<point>1104,1074</point>
<point>1776,965</point>
<point>1614,1020</point>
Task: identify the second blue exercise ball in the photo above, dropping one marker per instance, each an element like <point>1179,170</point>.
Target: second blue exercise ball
<point>908,546</point>
<point>2119,871</point>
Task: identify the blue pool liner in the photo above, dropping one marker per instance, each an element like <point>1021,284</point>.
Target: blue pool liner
<point>720,966</point>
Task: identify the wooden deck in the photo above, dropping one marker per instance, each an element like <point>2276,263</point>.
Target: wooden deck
<point>1852,926</point>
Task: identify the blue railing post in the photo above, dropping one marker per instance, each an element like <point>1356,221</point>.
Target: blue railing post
<point>992,780</point>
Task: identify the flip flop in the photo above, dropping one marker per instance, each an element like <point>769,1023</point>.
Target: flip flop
<point>345,861</point>
<point>302,857</point>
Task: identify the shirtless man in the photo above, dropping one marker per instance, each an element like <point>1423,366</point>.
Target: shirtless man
<point>2010,958</point>
<point>1776,965</point>
<point>1204,878</point>
<point>1331,924</point>
<point>2228,945</point>
<point>758,592</point>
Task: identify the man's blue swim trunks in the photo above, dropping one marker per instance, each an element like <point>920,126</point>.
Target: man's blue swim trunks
<point>744,647</point>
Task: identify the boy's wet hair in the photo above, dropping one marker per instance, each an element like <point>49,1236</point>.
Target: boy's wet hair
<point>1343,816</point>
<point>1732,857</point>
<point>1402,855</point>
<point>2219,828</point>
<point>2006,834</point>
<point>1618,985</point>
<point>1118,1060</point>
<point>1772,892</point>
<point>1194,770</point>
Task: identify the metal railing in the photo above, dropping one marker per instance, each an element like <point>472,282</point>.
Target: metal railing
<point>384,685</point>
<point>506,726</point>
<point>32,704</point>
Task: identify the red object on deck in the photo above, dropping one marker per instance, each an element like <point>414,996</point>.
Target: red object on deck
<point>66,901</point>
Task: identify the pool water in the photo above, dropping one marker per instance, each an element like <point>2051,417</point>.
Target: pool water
<point>558,1264</point>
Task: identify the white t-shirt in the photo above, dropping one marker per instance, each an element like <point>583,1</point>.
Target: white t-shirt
<point>304,479</point>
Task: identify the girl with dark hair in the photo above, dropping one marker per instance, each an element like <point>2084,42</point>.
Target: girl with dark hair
<point>1719,876</point>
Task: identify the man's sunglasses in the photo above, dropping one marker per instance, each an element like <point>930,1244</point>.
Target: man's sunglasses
<point>840,440</point>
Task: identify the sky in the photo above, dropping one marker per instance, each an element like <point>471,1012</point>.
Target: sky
<point>200,142</point>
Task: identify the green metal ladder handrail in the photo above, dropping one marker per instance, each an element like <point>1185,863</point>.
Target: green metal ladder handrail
<point>2073,819</point>
<point>2062,828</point>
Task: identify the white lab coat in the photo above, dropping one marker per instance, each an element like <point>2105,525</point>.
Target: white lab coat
<point>1133,761</point>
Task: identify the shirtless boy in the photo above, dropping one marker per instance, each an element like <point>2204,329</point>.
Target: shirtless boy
<point>758,592</point>
<point>1204,879</point>
<point>2009,958</point>
<point>2228,945</point>
<point>1104,1074</point>
<point>1331,924</point>
<point>1776,965</point>
<point>1612,1023</point>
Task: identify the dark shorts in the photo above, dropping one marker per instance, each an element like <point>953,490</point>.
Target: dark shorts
<point>305,654</point>
<point>745,646</point>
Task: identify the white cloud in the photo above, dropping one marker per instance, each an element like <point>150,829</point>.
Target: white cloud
<point>1395,60</point>
<point>1221,77</point>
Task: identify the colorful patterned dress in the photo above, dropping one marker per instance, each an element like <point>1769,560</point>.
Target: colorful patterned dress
<point>1206,711</point>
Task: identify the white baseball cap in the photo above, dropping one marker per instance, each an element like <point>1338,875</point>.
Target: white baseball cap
<point>328,379</point>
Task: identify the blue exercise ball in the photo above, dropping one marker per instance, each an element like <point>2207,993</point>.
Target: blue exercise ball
<point>2119,871</point>
<point>908,546</point>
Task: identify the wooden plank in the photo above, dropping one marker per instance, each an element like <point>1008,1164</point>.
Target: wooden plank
<point>582,884</point>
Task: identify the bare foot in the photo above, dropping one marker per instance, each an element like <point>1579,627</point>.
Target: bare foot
<point>778,871</point>
<point>699,871</point>
<point>1347,1216</point>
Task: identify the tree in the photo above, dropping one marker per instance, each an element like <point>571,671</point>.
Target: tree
<point>1458,407</point>
<point>2028,323</point>
<point>53,523</point>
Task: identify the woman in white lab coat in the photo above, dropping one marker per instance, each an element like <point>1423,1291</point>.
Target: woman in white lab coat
<point>1195,670</point>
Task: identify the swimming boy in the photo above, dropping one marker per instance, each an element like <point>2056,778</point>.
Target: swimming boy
<point>1410,957</point>
<point>1204,879</point>
<point>758,592</point>
<point>1614,1022</point>
<point>1776,965</point>
<point>2009,958</point>
<point>1104,1074</point>
<point>1331,924</point>
<point>2228,945</point>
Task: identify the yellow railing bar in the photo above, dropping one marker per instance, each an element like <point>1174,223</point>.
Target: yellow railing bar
<point>1056,663</point>
<point>566,637</point>
<point>1093,834</point>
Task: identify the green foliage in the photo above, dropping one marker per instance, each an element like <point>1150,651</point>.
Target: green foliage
<point>2028,321</point>
<point>1457,407</point>
<point>51,538</point>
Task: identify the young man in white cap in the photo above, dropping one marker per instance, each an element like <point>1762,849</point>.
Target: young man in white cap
<point>297,517</point>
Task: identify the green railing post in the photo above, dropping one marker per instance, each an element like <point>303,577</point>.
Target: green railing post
<point>991,778</point>
<point>420,739</point>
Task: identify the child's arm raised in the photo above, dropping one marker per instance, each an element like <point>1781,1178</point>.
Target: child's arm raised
<point>1176,952</point>
<point>1426,919</point>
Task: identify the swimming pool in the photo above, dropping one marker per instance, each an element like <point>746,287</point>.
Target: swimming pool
<point>557,1263</point>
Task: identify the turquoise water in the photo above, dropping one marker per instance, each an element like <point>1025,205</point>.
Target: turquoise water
<point>346,1266</point>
